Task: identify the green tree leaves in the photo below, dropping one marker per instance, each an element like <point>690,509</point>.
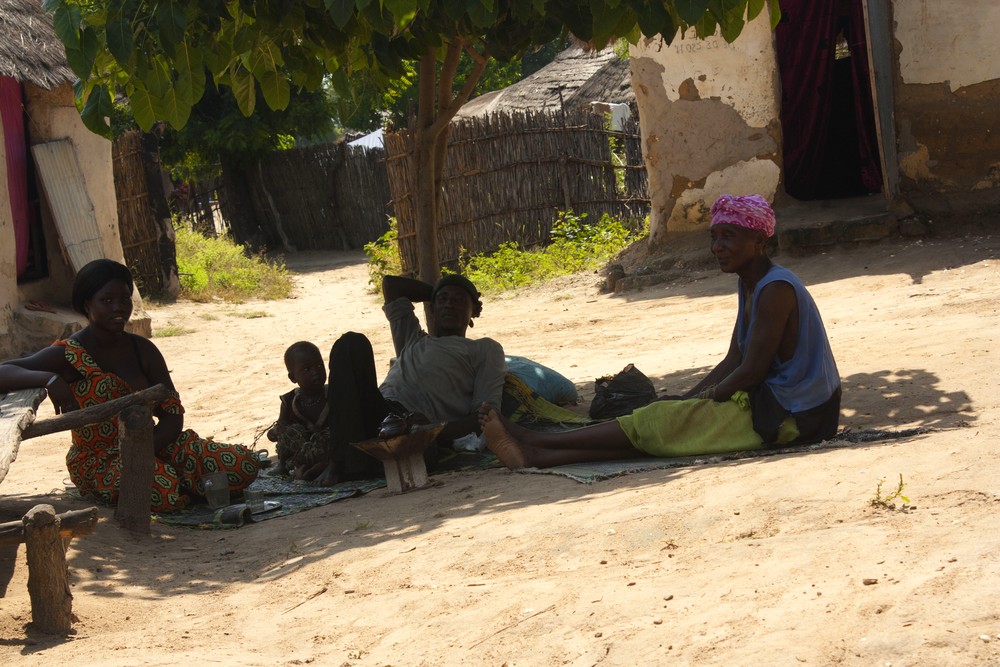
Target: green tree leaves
<point>160,50</point>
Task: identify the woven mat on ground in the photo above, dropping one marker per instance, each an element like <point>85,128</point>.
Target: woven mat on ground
<point>588,473</point>
<point>286,497</point>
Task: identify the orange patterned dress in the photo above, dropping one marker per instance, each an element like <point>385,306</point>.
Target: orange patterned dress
<point>95,465</point>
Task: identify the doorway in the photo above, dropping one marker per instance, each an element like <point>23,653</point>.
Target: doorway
<point>831,147</point>
<point>22,189</point>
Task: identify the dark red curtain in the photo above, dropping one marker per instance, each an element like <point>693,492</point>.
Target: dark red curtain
<point>827,114</point>
<point>15,145</point>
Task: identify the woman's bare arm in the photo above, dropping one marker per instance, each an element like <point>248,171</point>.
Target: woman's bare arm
<point>723,369</point>
<point>154,366</point>
<point>48,369</point>
<point>775,305</point>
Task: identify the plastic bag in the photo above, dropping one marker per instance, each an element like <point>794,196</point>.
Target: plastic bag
<point>621,394</point>
<point>547,383</point>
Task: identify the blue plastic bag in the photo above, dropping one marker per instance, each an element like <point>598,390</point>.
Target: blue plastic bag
<point>547,383</point>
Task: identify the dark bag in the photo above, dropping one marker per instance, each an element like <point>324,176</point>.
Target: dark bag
<point>621,394</point>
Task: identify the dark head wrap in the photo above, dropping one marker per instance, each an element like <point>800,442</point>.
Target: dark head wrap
<point>95,275</point>
<point>456,280</point>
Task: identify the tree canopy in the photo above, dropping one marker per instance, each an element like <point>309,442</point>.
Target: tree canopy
<point>161,54</point>
<point>157,52</point>
<point>369,105</point>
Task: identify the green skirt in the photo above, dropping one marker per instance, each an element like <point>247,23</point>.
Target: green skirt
<point>698,426</point>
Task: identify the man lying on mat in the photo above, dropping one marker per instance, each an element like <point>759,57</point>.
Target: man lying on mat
<point>440,375</point>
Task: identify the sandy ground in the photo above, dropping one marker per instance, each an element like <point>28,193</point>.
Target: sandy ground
<point>762,561</point>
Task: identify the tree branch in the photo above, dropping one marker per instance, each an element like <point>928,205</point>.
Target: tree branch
<point>448,69</point>
<point>445,114</point>
<point>425,88</point>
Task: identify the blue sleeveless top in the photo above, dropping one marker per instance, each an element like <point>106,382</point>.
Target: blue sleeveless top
<point>810,377</point>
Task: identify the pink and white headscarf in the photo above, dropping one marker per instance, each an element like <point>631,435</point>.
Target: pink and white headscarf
<point>750,211</point>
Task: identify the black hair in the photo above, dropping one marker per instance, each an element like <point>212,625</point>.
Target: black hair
<point>300,347</point>
<point>94,276</point>
<point>457,280</point>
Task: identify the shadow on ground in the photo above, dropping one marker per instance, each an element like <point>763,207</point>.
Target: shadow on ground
<point>176,561</point>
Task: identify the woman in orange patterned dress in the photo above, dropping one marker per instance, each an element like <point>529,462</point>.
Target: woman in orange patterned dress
<point>101,362</point>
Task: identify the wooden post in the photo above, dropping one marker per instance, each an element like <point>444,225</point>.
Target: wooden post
<point>95,413</point>
<point>48,579</point>
<point>405,473</point>
<point>564,178</point>
<point>135,443</point>
<point>74,523</point>
<point>402,456</point>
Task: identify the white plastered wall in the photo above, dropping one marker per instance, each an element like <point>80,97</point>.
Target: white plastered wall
<point>52,115</point>
<point>709,116</point>
<point>953,44</point>
<point>948,41</point>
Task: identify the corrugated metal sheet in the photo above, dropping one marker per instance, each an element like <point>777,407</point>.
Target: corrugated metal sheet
<point>66,193</point>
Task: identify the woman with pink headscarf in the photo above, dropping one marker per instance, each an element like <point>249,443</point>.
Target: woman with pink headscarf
<point>778,384</point>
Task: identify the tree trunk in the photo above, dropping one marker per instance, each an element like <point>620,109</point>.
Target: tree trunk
<point>428,263</point>
<point>437,105</point>
<point>157,196</point>
<point>425,178</point>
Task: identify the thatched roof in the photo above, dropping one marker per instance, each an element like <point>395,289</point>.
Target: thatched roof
<point>29,49</point>
<point>580,77</point>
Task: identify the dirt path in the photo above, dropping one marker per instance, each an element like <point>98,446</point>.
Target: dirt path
<point>762,561</point>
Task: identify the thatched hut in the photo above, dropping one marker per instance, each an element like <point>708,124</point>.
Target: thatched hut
<point>57,192</point>
<point>575,79</point>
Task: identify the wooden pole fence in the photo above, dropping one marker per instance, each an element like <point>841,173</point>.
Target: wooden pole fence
<point>74,523</point>
<point>95,413</point>
<point>46,534</point>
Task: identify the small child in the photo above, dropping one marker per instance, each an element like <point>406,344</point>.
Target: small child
<point>302,432</point>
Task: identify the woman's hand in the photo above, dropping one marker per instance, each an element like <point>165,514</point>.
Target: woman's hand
<point>61,395</point>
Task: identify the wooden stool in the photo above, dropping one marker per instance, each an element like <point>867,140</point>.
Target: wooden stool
<point>403,457</point>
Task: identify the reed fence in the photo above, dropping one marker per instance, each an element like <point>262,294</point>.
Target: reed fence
<point>322,197</point>
<point>136,222</point>
<point>508,175</point>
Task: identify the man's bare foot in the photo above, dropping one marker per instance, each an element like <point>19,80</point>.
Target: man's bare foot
<point>500,441</point>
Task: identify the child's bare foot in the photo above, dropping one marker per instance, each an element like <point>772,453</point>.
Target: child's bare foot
<point>500,441</point>
<point>328,477</point>
<point>313,471</point>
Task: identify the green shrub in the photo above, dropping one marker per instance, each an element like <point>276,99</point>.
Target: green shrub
<point>218,268</point>
<point>383,257</point>
<point>576,246</point>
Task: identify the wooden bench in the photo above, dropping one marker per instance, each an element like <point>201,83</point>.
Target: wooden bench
<point>46,534</point>
<point>17,412</point>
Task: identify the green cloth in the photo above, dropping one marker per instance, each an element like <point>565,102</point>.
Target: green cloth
<point>524,406</point>
<point>698,426</point>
